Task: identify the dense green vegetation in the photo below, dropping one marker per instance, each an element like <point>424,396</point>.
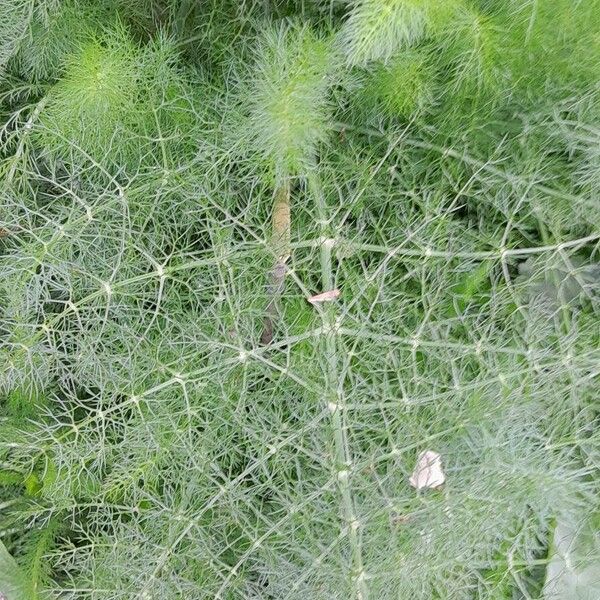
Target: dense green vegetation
<point>178,178</point>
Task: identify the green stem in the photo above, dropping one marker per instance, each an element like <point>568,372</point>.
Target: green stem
<point>565,317</point>
<point>181,16</point>
<point>18,155</point>
<point>334,398</point>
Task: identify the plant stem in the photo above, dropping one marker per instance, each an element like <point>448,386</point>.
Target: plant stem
<point>181,16</point>
<point>564,318</point>
<point>334,397</point>
<point>281,239</point>
<point>18,155</point>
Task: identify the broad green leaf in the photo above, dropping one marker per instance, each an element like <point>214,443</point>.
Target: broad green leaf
<point>573,571</point>
<point>12,580</point>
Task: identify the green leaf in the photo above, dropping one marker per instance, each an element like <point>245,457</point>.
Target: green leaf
<point>574,561</point>
<point>12,580</point>
<point>473,281</point>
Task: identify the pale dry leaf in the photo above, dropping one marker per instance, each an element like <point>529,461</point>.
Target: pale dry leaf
<point>325,296</point>
<point>428,472</point>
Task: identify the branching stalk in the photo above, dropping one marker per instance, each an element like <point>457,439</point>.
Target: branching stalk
<point>181,16</point>
<point>14,161</point>
<point>335,400</point>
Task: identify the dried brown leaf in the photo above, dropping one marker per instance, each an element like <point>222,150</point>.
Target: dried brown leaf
<point>325,296</point>
<point>428,472</point>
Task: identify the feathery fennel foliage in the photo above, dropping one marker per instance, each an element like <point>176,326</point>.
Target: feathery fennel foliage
<point>378,29</point>
<point>285,99</point>
<point>171,171</point>
<point>52,40</point>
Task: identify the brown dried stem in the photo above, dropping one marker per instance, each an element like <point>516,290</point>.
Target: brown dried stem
<point>280,242</point>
